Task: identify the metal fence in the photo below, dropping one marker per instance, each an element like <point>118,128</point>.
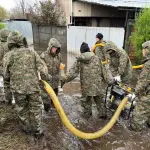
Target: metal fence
<point>24,27</point>
<point>77,34</point>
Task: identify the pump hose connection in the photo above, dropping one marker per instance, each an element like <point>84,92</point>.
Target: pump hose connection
<point>74,130</point>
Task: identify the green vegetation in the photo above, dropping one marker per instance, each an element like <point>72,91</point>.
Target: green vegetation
<point>141,32</point>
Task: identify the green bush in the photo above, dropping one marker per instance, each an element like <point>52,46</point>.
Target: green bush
<point>2,25</point>
<point>141,33</point>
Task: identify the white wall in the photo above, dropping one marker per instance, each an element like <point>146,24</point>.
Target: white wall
<point>76,35</point>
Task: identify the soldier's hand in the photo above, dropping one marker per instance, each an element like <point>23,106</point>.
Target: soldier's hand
<point>131,96</point>
<point>117,78</point>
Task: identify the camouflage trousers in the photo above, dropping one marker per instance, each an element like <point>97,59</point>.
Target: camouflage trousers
<point>8,94</point>
<point>141,114</point>
<point>29,112</point>
<point>47,100</point>
<point>2,95</point>
<point>86,103</point>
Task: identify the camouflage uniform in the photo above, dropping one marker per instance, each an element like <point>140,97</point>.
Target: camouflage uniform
<point>141,114</point>
<point>119,62</point>
<point>20,67</point>
<point>53,63</point>
<point>3,50</point>
<point>99,51</point>
<point>92,81</point>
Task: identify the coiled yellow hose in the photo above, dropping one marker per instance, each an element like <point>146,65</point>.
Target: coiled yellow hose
<point>68,124</point>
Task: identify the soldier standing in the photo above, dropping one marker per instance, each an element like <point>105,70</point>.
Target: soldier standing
<point>141,114</point>
<point>52,58</point>
<point>92,79</point>
<point>21,70</point>
<point>119,62</point>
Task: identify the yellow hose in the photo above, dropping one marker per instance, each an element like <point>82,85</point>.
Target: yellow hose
<point>68,124</point>
<point>137,67</point>
<point>105,62</point>
<point>96,45</point>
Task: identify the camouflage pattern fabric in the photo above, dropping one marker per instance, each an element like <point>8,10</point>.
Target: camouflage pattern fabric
<point>53,64</point>
<point>28,110</point>
<point>3,50</point>
<point>86,103</point>
<point>92,79</point>
<point>119,62</point>
<point>20,69</point>
<point>99,51</point>
<point>141,115</point>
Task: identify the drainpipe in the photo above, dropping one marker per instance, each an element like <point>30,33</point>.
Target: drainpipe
<point>71,17</point>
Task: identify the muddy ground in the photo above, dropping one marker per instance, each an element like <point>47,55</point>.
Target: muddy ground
<point>59,138</point>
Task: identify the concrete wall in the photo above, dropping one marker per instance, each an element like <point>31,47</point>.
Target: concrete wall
<point>42,35</point>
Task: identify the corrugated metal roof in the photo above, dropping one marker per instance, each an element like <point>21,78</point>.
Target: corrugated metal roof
<point>121,3</point>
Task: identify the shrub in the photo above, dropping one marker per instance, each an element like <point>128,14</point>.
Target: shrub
<point>141,32</point>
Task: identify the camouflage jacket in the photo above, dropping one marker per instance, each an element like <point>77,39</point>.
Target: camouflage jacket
<point>3,51</point>
<point>20,67</point>
<point>91,74</point>
<point>119,62</point>
<point>99,51</point>
<point>143,84</point>
<point>53,63</point>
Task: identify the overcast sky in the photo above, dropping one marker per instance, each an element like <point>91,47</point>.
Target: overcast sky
<point>7,4</point>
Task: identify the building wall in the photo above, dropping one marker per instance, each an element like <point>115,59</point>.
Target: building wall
<point>66,6</point>
<point>89,10</point>
<point>81,9</point>
<point>103,11</point>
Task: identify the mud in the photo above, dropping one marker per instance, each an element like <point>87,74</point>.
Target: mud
<point>57,137</point>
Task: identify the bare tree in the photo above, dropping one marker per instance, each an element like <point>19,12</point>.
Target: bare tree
<point>46,12</point>
<point>20,10</point>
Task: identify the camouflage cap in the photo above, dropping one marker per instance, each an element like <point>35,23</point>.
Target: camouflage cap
<point>146,45</point>
<point>4,34</point>
<point>15,38</point>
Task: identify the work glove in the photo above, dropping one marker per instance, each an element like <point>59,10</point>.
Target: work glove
<point>117,78</point>
<point>131,96</point>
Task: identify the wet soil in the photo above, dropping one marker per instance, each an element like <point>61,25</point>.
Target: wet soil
<point>59,138</point>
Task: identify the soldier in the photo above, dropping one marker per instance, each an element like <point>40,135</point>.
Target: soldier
<point>141,114</point>
<point>21,66</point>
<point>92,78</point>
<point>3,50</point>
<point>52,58</point>
<point>119,62</point>
<point>99,50</point>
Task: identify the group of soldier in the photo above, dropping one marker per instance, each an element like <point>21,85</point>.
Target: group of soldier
<point>21,67</point>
